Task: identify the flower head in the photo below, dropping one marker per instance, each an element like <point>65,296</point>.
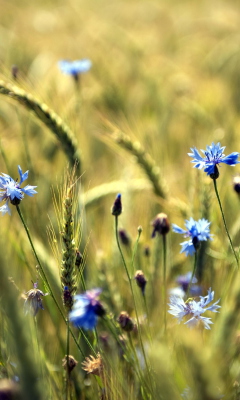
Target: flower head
<point>33,300</point>
<point>193,309</point>
<point>75,68</point>
<point>213,156</point>
<point>184,281</point>
<point>196,231</point>
<point>10,190</point>
<point>86,309</point>
<point>160,225</point>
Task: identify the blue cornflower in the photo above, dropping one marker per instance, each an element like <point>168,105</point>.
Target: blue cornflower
<point>193,309</point>
<point>213,156</point>
<point>185,280</point>
<point>10,190</point>
<point>197,231</point>
<point>86,309</point>
<point>75,68</point>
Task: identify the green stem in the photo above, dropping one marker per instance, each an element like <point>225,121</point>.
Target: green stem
<point>134,302</point>
<point>135,248</point>
<point>44,275</point>
<point>224,221</point>
<point>165,281</point>
<point>67,366</point>
<point>193,273</point>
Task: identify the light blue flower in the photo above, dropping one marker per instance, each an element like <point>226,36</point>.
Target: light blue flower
<point>86,309</point>
<point>197,231</point>
<point>75,68</point>
<point>193,309</point>
<point>10,190</point>
<point>213,156</point>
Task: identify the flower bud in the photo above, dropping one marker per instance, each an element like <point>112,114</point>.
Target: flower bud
<point>141,280</point>
<point>236,184</point>
<point>160,225</point>
<point>124,237</point>
<point>117,206</point>
<point>70,360</point>
<point>125,322</point>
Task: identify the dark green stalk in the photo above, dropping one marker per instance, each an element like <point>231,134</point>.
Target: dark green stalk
<point>193,273</point>
<point>224,221</point>
<point>133,297</point>
<point>44,275</point>
<point>67,359</point>
<point>165,280</point>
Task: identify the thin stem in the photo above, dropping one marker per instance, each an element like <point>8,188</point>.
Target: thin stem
<point>135,248</point>
<point>165,281</point>
<point>44,275</point>
<point>224,221</point>
<point>193,274</point>
<point>134,302</point>
<point>67,366</point>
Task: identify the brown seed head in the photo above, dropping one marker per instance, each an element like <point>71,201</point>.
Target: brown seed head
<point>71,362</point>
<point>141,280</point>
<point>93,365</point>
<point>125,321</point>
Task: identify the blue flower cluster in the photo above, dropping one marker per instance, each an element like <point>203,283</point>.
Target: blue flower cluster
<point>193,309</point>
<point>10,190</point>
<point>196,231</point>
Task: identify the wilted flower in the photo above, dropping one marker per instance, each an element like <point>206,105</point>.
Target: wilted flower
<point>86,309</point>
<point>197,231</point>
<point>213,156</point>
<point>117,206</point>
<point>193,309</point>
<point>93,365</point>
<point>10,190</point>
<point>160,225</point>
<point>75,68</point>
<point>33,300</point>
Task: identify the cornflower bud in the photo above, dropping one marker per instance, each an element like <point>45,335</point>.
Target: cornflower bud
<point>79,258</point>
<point>14,71</point>
<point>117,206</point>
<point>125,321</point>
<point>236,184</point>
<point>125,239</point>
<point>141,280</point>
<point>160,225</point>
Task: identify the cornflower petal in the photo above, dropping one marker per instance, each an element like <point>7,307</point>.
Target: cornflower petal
<point>85,309</point>
<point>196,231</point>
<point>194,309</point>
<point>213,156</point>
<point>10,190</point>
<point>75,67</point>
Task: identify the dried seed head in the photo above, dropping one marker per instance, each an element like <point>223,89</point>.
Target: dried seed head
<point>125,321</point>
<point>117,206</point>
<point>33,300</point>
<point>141,280</point>
<point>93,365</point>
<point>71,362</point>
<point>160,225</point>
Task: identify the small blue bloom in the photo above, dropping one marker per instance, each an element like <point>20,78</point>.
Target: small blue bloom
<point>184,281</point>
<point>197,231</point>
<point>213,156</point>
<point>75,68</point>
<point>86,309</point>
<point>10,190</point>
<point>193,309</point>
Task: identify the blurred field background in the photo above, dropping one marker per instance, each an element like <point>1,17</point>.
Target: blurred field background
<point>167,75</point>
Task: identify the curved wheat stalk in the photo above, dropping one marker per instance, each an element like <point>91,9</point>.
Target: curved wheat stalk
<point>49,118</point>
